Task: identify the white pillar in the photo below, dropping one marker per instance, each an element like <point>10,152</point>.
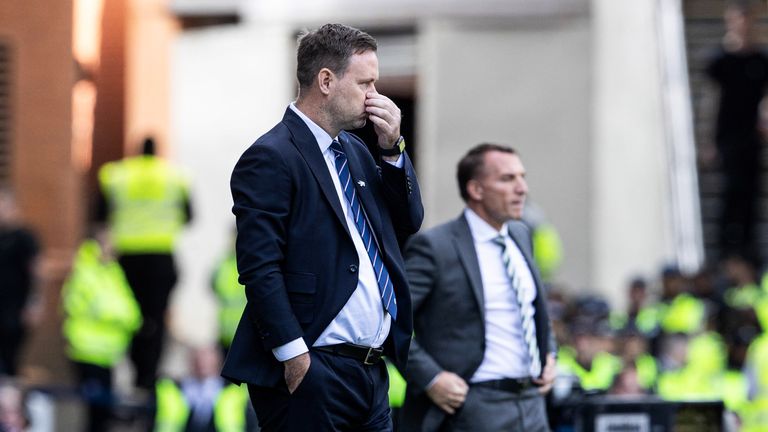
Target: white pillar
<point>630,223</point>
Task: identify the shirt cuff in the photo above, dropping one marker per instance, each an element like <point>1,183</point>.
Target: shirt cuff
<point>398,163</point>
<point>290,350</point>
<point>432,382</point>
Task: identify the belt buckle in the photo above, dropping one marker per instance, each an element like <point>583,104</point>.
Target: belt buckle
<point>372,352</point>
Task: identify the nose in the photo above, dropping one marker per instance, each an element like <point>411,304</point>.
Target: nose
<point>522,187</point>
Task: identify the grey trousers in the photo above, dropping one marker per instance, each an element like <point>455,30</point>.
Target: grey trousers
<point>491,410</point>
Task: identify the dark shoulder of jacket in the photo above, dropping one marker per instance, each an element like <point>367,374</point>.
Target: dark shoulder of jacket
<point>438,233</point>
<point>518,227</point>
<point>272,138</point>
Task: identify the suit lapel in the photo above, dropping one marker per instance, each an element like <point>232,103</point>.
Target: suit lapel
<point>306,143</point>
<point>465,248</point>
<point>522,245</point>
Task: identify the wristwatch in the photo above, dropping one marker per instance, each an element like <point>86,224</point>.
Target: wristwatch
<point>398,149</point>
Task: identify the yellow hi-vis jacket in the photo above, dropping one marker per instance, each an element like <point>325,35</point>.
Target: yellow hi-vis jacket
<point>397,386</point>
<point>101,312</point>
<point>173,409</point>
<point>599,376</point>
<point>147,198</point>
<point>231,297</point>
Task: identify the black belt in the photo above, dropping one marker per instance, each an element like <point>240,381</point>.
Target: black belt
<point>366,355</point>
<point>511,385</point>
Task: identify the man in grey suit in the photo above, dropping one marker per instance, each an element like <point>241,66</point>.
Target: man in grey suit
<point>482,356</point>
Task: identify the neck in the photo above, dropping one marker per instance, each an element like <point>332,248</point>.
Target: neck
<point>484,216</point>
<point>314,109</point>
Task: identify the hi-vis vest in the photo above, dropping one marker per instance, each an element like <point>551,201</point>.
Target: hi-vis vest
<point>547,249</point>
<point>754,415</point>
<point>231,296</point>
<point>685,314</point>
<point>757,357</point>
<point>601,374</point>
<point>173,410</point>
<point>102,313</point>
<point>397,386</point>
<point>146,197</point>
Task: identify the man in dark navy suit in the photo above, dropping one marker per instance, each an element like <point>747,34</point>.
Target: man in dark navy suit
<point>320,227</point>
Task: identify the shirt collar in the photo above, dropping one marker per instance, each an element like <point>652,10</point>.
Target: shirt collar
<point>323,139</point>
<point>481,230</point>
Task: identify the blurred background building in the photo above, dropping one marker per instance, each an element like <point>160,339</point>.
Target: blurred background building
<point>594,94</point>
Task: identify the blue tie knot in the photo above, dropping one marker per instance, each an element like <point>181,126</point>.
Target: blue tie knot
<point>336,147</point>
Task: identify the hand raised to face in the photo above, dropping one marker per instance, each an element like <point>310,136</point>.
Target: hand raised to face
<point>385,116</point>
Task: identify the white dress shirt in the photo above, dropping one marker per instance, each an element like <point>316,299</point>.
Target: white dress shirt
<point>362,320</point>
<point>506,354</point>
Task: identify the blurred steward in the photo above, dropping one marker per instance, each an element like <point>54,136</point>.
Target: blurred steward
<point>101,317</point>
<point>231,298</point>
<point>145,200</point>
<point>203,401</point>
<point>547,246</point>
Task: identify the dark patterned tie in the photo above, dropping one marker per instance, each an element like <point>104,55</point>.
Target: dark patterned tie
<point>386,289</point>
<point>526,310</point>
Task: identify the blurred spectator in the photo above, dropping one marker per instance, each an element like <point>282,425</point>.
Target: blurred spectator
<point>589,360</point>
<point>19,305</point>
<point>633,350</point>
<point>679,311</point>
<point>203,401</point>
<point>627,383</point>
<point>13,412</point>
<point>640,316</point>
<point>740,70</point>
<point>738,318</point>
<point>146,202</point>
<point>753,413</point>
<point>743,291</point>
<point>734,385</point>
<point>756,362</point>
<point>673,353</point>
<point>231,298</point>
<point>101,317</point>
<point>692,367</point>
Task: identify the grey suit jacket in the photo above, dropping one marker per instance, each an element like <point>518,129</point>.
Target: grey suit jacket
<point>449,316</point>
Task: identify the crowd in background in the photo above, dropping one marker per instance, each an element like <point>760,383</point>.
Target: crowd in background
<point>682,338</point>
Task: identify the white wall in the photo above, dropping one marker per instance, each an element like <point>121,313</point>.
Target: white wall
<point>518,83</point>
<point>630,224</point>
<point>229,86</point>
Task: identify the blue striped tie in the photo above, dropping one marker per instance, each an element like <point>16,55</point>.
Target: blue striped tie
<point>386,289</point>
<point>526,310</point>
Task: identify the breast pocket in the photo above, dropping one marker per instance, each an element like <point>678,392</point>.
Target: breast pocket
<point>302,288</point>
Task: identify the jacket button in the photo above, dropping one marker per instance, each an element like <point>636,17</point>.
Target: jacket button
<point>353,268</point>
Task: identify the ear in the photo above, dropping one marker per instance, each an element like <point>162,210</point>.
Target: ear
<point>325,80</point>
<point>474,190</point>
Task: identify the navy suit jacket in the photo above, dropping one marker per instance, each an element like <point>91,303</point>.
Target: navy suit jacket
<point>295,255</point>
